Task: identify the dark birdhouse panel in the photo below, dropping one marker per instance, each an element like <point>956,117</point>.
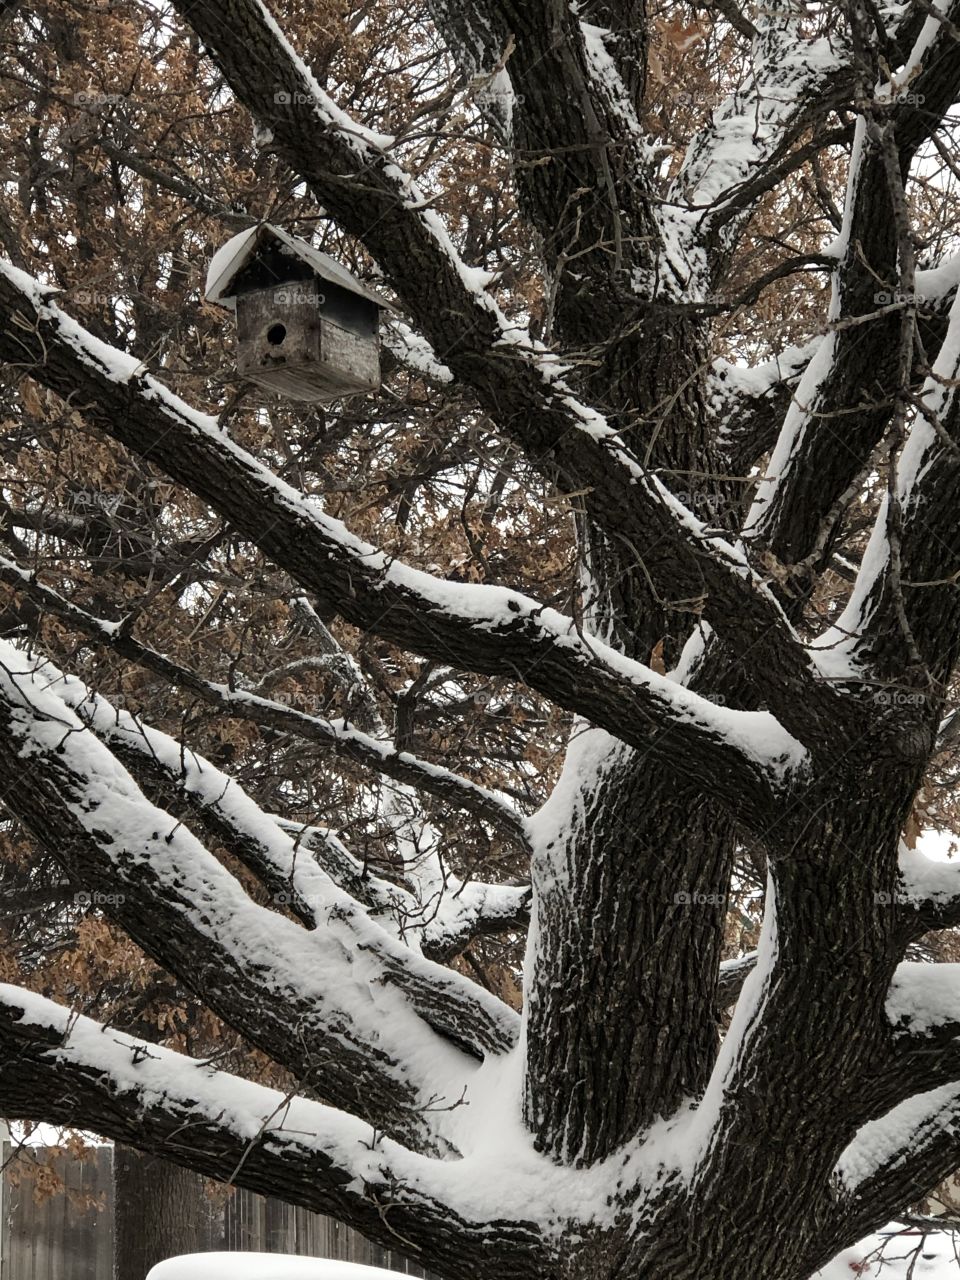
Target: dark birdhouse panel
<point>347,309</point>
<point>270,266</point>
<point>303,340</point>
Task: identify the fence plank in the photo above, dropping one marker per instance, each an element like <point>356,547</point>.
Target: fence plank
<point>66,1237</point>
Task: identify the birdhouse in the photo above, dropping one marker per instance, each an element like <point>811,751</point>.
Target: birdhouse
<point>305,327</point>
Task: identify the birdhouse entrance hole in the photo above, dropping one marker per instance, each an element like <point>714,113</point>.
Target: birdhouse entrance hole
<point>276,334</point>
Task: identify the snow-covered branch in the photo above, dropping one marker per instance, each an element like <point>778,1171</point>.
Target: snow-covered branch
<point>265,845</point>
<point>593,207</point>
<point>343,1004</point>
<point>894,1161</point>
<point>448,912</point>
<point>792,77</point>
<point>928,894</point>
<point>527,391</point>
<point>284,855</point>
<point>62,1067</point>
<point>414,352</point>
<point>901,622</point>
<point>853,391</point>
<point>733,974</point>
<point>749,404</point>
<point>487,629</point>
<point>924,998</point>
<point>923,1048</point>
<point>374,753</point>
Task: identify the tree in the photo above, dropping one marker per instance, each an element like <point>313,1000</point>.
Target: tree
<point>583,213</point>
<point>159,1211</point>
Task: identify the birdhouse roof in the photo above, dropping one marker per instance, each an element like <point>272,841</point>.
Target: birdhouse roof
<point>230,259</point>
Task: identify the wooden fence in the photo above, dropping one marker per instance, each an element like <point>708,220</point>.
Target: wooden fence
<point>69,1235</point>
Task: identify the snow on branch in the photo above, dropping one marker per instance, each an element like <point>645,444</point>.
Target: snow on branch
<point>759,122</point>
<point>906,582</point>
<point>928,893</point>
<point>922,1050</point>
<point>65,1068</point>
<point>749,404</point>
<point>281,854</point>
<point>924,998</point>
<point>896,1160</point>
<point>494,1191</point>
<point>883,1144</point>
<point>449,911</point>
<point>414,352</point>
<point>265,846</point>
<point>374,753</point>
<point>357,176</point>
<point>342,1003</point>
<point>513,74</point>
<point>936,286</point>
<point>271,847</point>
<point>487,629</point>
<point>733,974</point>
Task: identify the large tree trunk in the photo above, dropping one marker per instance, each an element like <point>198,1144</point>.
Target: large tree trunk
<point>160,1210</point>
<point>732,698</point>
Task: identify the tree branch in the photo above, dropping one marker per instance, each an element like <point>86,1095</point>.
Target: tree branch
<point>892,1162</point>
<point>300,996</point>
<point>485,629</point>
<point>733,974</point>
<point>464,911</point>
<point>749,405</point>
<point>65,1069</point>
<point>357,178</point>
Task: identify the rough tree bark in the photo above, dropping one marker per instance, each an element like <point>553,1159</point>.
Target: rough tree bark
<point>160,1211</point>
<point>725,706</point>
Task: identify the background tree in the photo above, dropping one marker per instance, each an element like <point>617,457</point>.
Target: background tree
<point>290,688</point>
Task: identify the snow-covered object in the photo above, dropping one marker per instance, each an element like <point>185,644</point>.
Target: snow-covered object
<point>263,1266</point>
<point>896,1253</point>
<point>239,250</point>
<point>305,327</point>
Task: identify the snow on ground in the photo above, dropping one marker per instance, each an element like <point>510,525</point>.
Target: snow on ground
<point>263,1266</point>
<point>896,1253</point>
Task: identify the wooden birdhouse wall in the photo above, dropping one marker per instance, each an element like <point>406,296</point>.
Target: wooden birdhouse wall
<point>308,339</point>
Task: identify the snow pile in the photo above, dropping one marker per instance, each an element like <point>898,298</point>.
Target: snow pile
<point>263,1266</point>
<point>897,1253</point>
